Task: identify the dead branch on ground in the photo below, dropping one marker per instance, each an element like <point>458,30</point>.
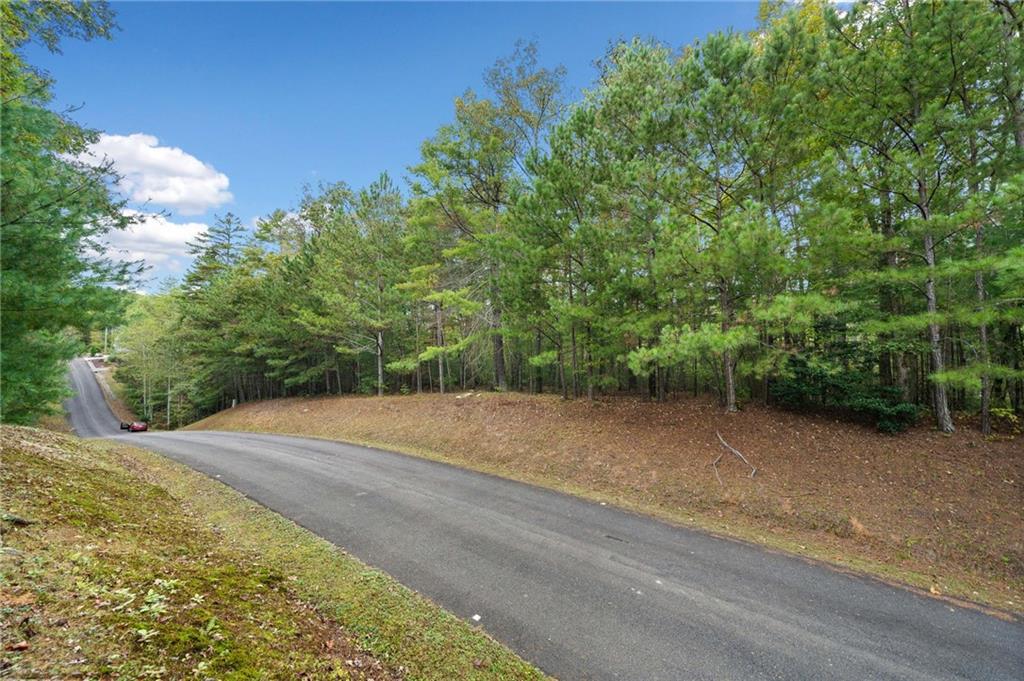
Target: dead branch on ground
<point>714,464</point>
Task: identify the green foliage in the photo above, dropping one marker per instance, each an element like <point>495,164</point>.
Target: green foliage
<point>55,212</point>
<point>827,212</point>
<point>1006,420</point>
<point>677,345</point>
<point>809,384</point>
<point>367,385</point>
<point>889,415</point>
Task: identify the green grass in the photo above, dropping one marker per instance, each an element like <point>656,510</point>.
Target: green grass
<point>138,567</point>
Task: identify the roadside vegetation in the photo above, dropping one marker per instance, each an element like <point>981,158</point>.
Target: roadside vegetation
<point>797,239</point>
<point>58,284</point>
<point>942,513</point>
<point>112,391</point>
<point>118,563</point>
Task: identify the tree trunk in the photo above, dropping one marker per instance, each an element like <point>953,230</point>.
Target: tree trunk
<point>561,375</point>
<point>500,380</point>
<point>983,352</point>
<point>380,364</point>
<point>419,365</point>
<point>572,330</point>
<point>890,301</point>
<point>440,344</point>
<point>727,359</point>
<point>696,378</point>
<point>730,381</point>
<point>499,356</point>
<point>1017,396</point>
<point>589,359</point>
<point>1012,26</point>
<point>986,380</point>
<point>575,362</point>
<point>537,382</point>
<point>903,376</point>
<point>979,286</point>
<point>940,402</point>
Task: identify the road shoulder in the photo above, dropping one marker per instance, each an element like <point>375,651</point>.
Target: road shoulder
<point>937,515</point>
<point>117,560</point>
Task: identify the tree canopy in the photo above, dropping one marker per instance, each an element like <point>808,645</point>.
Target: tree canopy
<point>56,282</point>
<point>825,213</point>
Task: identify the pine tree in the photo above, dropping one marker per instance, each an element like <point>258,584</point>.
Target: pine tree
<point>55,213</point>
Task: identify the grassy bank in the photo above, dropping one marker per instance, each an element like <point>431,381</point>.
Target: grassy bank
<point>940,513</point>
<point>118,563</point>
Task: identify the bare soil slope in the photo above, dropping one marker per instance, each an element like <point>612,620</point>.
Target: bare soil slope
<point>943,513</point>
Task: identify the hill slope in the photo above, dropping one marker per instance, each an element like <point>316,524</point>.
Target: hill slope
<point>943,513</point>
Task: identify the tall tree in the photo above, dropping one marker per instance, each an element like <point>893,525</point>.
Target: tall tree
<point>826,212</point>
<point>893,75</point>
<point>473,168</point>
<point>55,213</point>
<point>356,266</point>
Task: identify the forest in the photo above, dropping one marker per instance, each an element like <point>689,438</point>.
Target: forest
<point>825,214</point>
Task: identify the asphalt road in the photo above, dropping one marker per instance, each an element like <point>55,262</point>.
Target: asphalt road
<point>587,591</point>
<point>90,416</point>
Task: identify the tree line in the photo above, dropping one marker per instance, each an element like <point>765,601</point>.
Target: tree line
<point>825,213</point>
<point>56,283</point>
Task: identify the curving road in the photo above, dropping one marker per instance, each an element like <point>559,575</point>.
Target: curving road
<point>587,591</point>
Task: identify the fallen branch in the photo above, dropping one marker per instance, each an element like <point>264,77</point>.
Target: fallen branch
<point>714,464</point>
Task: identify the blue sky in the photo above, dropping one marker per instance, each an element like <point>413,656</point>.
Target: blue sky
<point>219,107</point>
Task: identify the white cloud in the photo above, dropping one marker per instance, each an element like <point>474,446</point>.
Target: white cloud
<point>155,239</point>
<point>165,176</point>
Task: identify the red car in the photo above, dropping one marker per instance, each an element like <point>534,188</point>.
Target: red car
<point>134,426</point>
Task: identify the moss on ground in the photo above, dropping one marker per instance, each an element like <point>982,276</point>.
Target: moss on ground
<point>118,563</point>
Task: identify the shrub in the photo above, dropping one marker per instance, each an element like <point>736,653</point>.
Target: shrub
<point>855,393</point>
<point>1005,420</point>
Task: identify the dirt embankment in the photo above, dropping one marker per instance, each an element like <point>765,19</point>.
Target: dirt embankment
<point>103,371</point>
<point>944,513</point>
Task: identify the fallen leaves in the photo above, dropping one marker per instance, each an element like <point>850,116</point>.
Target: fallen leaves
<point>872,490</point>
<point>10,600</point>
